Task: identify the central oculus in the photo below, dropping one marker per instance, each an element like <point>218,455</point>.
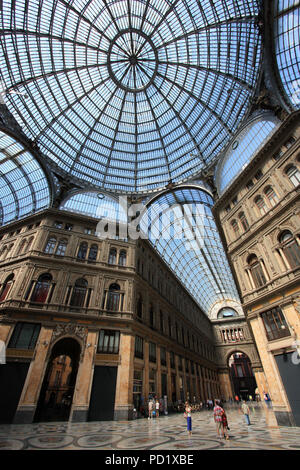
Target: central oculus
<point>132,60</point>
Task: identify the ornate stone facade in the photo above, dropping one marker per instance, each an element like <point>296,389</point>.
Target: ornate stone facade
<point>265,258</point>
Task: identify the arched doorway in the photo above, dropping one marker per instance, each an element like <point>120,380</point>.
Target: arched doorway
<point>59,382</point>
<point>242,376</point>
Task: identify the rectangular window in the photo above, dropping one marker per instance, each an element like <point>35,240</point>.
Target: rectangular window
<point>25,336</point>
<point>152,382</point>
<point>172,360</point>
<point>139,347</point>
<point>258,175</point>
<point>250,184</point>
<point>275,324</point>
<point>163,357</point>
<point>152,352</point>
<point>138,381</point>
<point>109,341</point>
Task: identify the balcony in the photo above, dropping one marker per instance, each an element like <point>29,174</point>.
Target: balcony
<point>54,308</point>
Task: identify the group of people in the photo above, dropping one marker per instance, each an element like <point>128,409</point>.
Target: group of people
<point>153,409</point>
<point>220,418</point>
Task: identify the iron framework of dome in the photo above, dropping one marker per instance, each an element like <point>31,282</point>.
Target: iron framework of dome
<point>129,95</point>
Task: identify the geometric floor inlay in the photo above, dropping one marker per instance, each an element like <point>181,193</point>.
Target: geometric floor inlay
<point>165,433</point>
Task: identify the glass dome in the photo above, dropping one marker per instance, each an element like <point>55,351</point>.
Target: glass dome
<point>128,96</point>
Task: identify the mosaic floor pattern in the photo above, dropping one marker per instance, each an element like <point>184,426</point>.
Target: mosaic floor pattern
<point>166,433</point>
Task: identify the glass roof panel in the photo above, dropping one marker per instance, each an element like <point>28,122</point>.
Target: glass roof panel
<point>24,187</point>
<point>287,46</point>
<point>120,94</point>
<point>241,151</point>
<point>95,204</point>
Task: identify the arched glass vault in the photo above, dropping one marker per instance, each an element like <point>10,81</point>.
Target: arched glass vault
<point>129,95</point>
<point>181,227</point>
<point>243,148</point>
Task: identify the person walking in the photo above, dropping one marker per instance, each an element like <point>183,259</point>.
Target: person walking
<point>246,412</point>
<point>267,400</point>
<point>188,416</point>
<point>157,409</point>
<point>220,420</point>
<point>150,409</point>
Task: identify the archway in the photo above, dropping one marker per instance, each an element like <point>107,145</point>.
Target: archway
<point>59,382</point>
<point>242,376</point>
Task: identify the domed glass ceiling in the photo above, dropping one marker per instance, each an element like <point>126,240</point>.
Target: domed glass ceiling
<point>129,95</point>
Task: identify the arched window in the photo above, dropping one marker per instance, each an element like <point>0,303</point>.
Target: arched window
<point>5,288</point>
<point>271,196</point>
<point>29,243</point>
<point>113,299</point>
<point>61,247</point>
<point>257,272</point>
<point>294,175</point>
<point>122,258</point>
<point>243,221</point>
<point>83,247</point>
<point>139,307</point>
<point>93,253</point>
<point>290,249</point>
<point>79,293</point>
<point>235,226</point>
<point>227,312</point>
<point>112,259</point>
<point>50,245</point>
<point>21,247</point>
<point>41,288</point>
<point>4,252</point>
<point>260,203</point>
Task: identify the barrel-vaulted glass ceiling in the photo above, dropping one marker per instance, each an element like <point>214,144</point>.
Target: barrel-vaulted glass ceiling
<point>24,188</point>
<point>129,95</point>
<point>181,227</point>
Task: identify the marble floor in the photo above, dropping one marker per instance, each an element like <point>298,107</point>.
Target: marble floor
<point>165,433</point>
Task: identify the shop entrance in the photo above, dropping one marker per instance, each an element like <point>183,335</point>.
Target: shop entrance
<point>59,382</point>
<point>242,377</point>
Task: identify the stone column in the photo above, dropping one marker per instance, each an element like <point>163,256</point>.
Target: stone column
<point>225,384</point>
<point>31,390</point>
<point>158,372</point>
<point>124,386</point>
<point>169,378</point>
<point>146,362</point>
<point>81,399</point>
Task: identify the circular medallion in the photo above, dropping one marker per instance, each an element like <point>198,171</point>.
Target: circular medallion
<point>132,60</point>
